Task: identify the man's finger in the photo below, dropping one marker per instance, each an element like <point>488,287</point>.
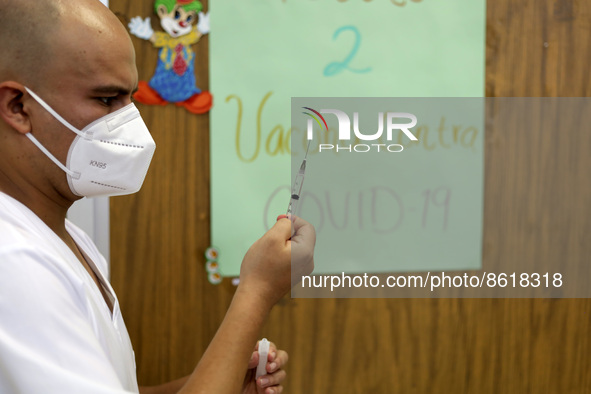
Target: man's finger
<point>254,360</point>
<point>274,379</point>
<point>278,362</point>
<point>282,228</point>
<point>303,230</point>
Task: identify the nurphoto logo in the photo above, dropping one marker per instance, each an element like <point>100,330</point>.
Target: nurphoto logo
<point>392,120</point>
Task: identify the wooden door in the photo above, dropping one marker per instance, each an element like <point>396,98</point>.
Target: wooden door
<point>534,48</point>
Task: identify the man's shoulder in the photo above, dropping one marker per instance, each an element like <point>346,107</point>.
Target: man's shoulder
<point>23,236</point>
<point>27,269</point>
<point>26,243</point>
<point>19,227</point>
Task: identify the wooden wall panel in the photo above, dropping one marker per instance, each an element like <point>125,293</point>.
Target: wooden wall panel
<point>534,48</point>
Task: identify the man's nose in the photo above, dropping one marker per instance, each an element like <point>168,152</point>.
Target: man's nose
<point>183,23</point>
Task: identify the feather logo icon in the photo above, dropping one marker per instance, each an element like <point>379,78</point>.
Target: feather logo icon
<point>315,115</point>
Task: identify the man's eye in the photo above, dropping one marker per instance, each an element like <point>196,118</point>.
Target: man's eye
<point>107,100</point>
<point>177,15</point>
<point>189,19</point>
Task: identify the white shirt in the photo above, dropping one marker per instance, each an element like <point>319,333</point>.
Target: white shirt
<point>57,334</point>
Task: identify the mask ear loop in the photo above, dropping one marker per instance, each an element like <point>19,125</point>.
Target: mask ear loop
<point>53,113</point>
<point>73,174</point>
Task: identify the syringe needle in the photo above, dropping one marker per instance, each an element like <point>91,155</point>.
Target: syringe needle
<point>307,149</point>
<point>296,190</point>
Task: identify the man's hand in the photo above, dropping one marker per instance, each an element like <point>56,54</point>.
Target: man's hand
<point>268,265</point>
<point>270,383</point>
<point>303,241</point>
<point>265,277</point>
<point>141,28</point>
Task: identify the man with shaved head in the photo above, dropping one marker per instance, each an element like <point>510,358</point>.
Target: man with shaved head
<point>68,129</point>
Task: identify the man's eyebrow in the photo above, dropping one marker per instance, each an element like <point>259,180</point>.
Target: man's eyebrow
<point>113,89</point>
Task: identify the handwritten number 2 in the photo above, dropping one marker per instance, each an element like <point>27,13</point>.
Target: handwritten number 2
<point>336,67</point>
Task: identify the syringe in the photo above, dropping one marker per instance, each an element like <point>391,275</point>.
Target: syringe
<point>296,190</point>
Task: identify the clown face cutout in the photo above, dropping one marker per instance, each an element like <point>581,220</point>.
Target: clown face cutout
<point>177,22</point>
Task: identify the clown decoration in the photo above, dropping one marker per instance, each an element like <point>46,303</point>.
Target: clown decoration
<point>174,79</point>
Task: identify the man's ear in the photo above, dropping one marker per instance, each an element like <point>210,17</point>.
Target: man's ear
<point>12,108</point>
<point>162,11</point>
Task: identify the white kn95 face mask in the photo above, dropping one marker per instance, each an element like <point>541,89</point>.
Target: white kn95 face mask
<point>109,157</point>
